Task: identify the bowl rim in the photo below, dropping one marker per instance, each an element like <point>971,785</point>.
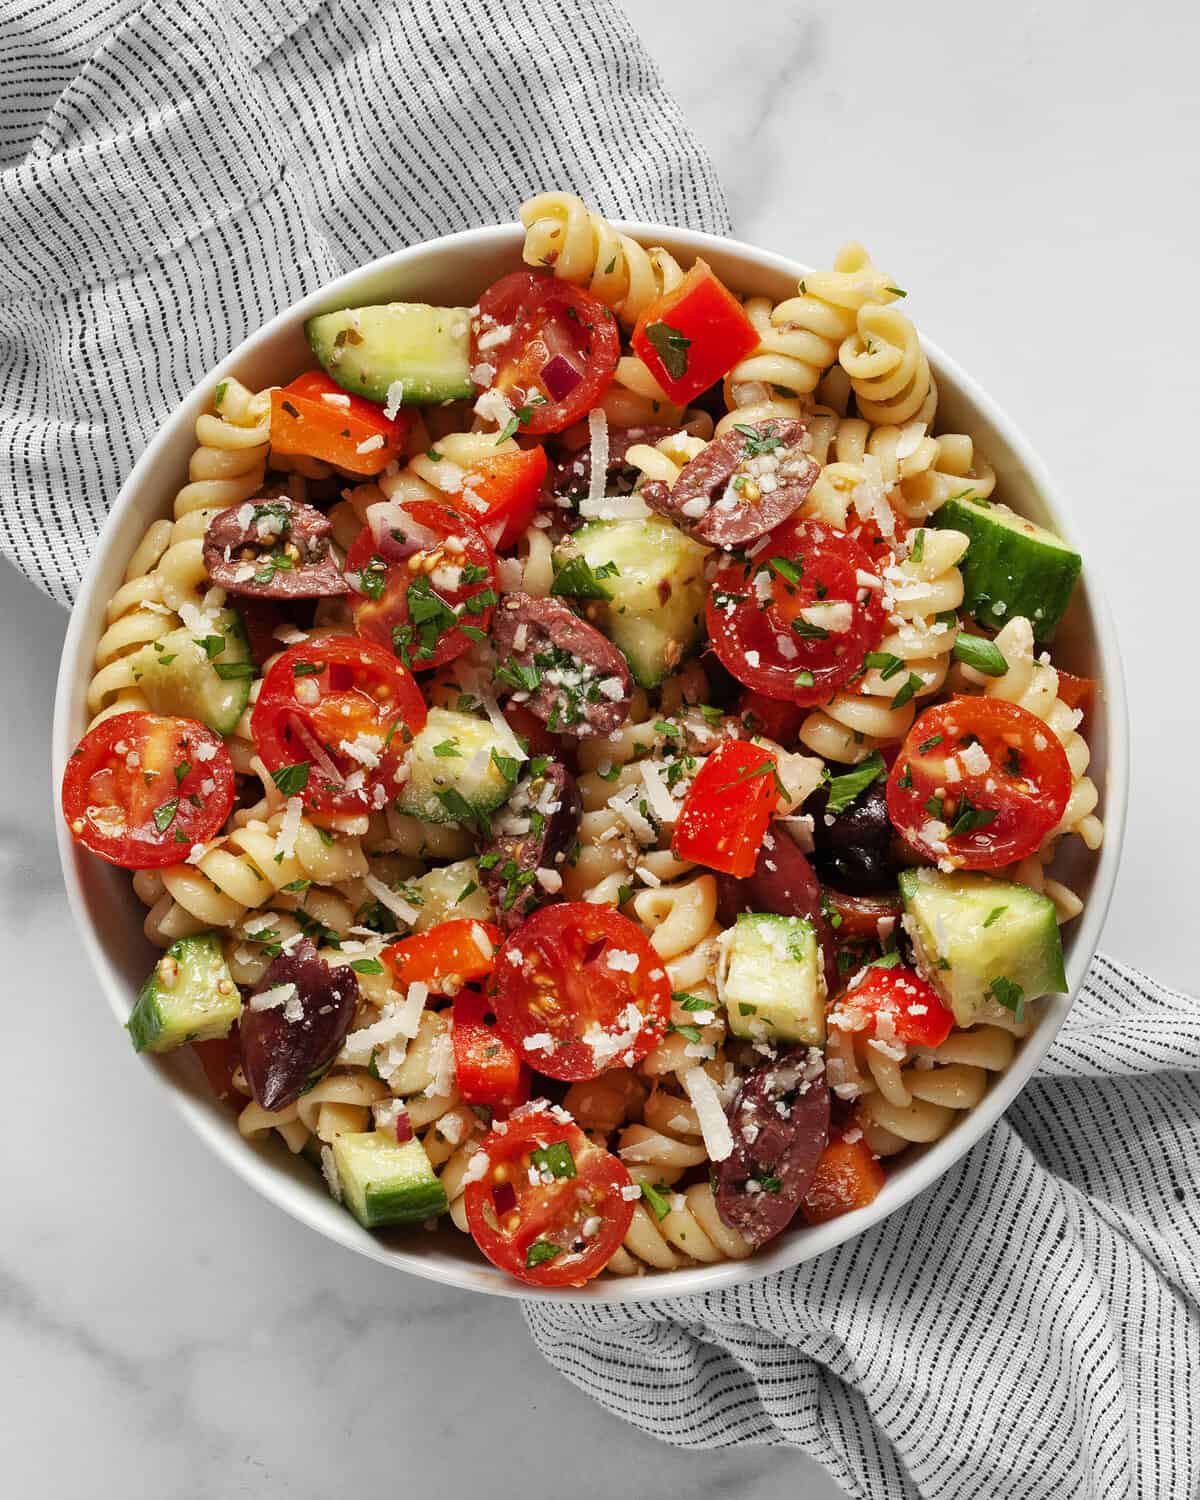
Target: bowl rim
<point>256,1168</point>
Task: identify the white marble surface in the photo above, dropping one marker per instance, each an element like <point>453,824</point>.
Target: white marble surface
<point>1029,173</point>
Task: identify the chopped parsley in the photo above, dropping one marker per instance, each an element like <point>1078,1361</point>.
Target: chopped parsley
<point>756,443</point>
<point>230,671</point>
<point>842,790</point>
<point>447,748</point>
<point>807,631</point>
<point>659,1205</point>
<point>581,581</point>
<point>555,1159</point>
<point>984,656</point>
<point>367,966</point>
<point>372,577</point>
<point>291,780</point>
<point>884,663</point>
<point>164,815</point>
<point>1009,994</point>
<point>540,1252</point>
<point>671,346</point>
<point>968,818</point>
<point>995,914</point>
<point>909,690</point>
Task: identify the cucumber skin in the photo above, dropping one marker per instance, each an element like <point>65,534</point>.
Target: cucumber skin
<point>150,1026</point>
<point>1036,958</point>
<point>235,691</point>
<point>411,1195</point>
<point>350,371</point>
<point>993,572</point>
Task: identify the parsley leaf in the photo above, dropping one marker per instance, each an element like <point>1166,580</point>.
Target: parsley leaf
<point>671,347</point>
<point>1008,992</point>
<point>164,815</point>
<point>845,788</point>
<point>291,780</point>
<point>984,656</point>
<point>580,580</point>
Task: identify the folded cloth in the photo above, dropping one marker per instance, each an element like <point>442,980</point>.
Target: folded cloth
<point>174,174</point>
<point>1026,1328</point>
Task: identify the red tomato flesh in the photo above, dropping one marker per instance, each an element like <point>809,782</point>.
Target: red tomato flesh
<point>1076,692</point>
<point>563,1228</point>
<point>487,1066</point>
<point>860,916</point>
<point>764,615</point>
<point>425,585</point>
<point>847,1177</point>
<point>978,783</point>
<point>446,956</point>
<point>141,789</point>
<point>341,712</point>
<point>501,493</point>
<point>558,355</point>
<point>771,717</point>
<point>579,989</point>
<point>727,809</point>
<point>314,417</point>
<point>897,1005</point>
<point>220,1059</point>
<point>692,336</point>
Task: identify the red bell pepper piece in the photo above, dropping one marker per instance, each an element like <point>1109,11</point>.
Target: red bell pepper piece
<point>446,957</point>
<point>692,336</point>
<point>775,718</point>
<point>488,1067</point>
<point>220,1059</point>
<point>1076,692</point>
<point>314,417</point>
<point>847,1177</point>
<point>509,485</point>
<point>727,809</point>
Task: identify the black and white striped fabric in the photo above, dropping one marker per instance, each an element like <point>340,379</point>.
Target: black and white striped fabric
<point>171,175</point>
<point>1026,1329</point>
<point>174,172</point>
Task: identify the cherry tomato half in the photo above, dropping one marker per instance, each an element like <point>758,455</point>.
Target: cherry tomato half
<point>860,916</point>
<point>898,1005</point>
<point>423,584</point>
<point>140,789</point>
<point>562,1228</point>
<point>847,1177</point>
<point>978,783</point>
<point>333,721</point>
<point>579,989</point>
<point>795,622</point>
<point>558,355</point>
<point>727,808</point>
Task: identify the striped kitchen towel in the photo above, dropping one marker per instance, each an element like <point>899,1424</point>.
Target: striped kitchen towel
<point>174,174</point>
<point>171,175</point>
<point>1026,1329</point>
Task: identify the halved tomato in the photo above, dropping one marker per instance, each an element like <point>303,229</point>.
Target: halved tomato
<point>795,621</point>
<point>550,1207</point>
<point>897,1005</point>
<point>579,989</point>
<point>847,1177</point>
<point>978,783</point>
<point>772,717</point>
<point>549,348</point>
<point>333,721</point>
<point>860,916</point>
<point>425,580</point>
<point>141,789</point>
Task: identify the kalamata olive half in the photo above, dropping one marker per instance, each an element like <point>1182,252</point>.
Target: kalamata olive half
<point>292,1035</point>
<point>853,851</point>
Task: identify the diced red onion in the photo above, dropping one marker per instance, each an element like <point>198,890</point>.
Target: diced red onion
<point>386,517</point>
<point>504,1198</point>
<point>560,377</point>
<point>404,1130</point>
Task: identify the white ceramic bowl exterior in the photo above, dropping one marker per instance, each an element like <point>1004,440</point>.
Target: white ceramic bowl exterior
<point>455,270</point>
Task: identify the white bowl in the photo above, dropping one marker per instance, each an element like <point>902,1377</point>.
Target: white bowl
<point>455,270</point>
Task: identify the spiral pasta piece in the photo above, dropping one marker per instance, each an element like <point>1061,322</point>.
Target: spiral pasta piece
<point>228,466</point>
<point>887,368</point>
<point>1032,683</point>
<point>580,246</point>
<point>665,459</point>
<point>934,1089</point>
<point>136,616</point>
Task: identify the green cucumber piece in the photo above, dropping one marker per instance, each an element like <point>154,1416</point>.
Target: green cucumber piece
<point>384,1182</point>
<point>188,996</point>
<point>179,677</point>
<point>774,988</point>
<point>368,349</point>
<point>1012,566</point>
<point>655,609</point>
<point>452,773</point>
<point>438,895</point>
<point>970,931</point>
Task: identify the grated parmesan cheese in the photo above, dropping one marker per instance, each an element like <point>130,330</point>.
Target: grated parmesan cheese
<point>714,1127</point>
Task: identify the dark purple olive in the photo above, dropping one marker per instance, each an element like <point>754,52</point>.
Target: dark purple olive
<point>853,852</point>
<point>780,1126</point>
<point>533,832</point>
<point>289,1044</point>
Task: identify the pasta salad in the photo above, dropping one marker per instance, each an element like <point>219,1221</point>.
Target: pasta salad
<point>592,760</point>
